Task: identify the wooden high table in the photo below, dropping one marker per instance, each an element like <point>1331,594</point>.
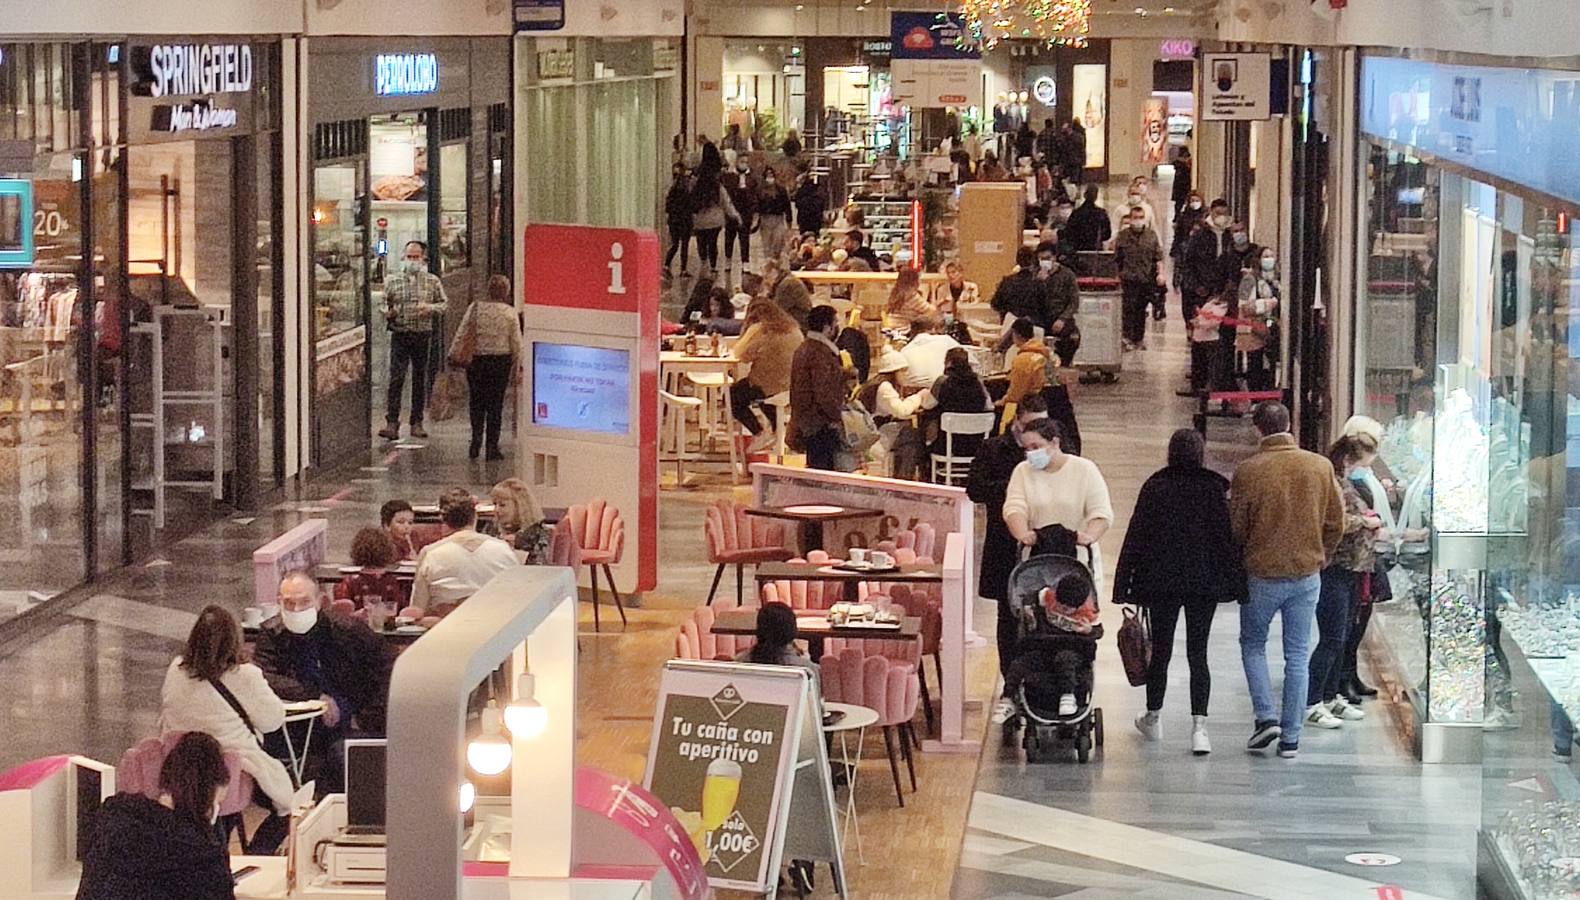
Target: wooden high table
<point>811,517</point>
<point>676,362</point>
<point>814,627</point>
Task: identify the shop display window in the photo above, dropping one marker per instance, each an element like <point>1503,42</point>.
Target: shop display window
<point>455,245</point>
<point>339,248</point>
<point>1468,336</point>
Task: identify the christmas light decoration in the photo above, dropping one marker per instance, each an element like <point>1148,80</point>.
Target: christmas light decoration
<point>1053,22</point>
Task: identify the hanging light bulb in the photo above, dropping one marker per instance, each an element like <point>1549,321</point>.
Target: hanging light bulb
<point>526,718</point>
<point>468,796</point>
<point>489,752</point>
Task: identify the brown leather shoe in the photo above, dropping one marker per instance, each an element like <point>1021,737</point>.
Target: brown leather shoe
<point>390,432</point>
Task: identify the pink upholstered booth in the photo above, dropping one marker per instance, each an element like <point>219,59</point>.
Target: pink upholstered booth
<point>735,538</point>
<point>696,639</point>
<point>880,684</point>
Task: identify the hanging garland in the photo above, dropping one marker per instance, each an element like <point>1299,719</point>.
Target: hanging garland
<point>1053,22</point>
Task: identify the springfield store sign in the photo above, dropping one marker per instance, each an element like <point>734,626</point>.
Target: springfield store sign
<point>191,85</point>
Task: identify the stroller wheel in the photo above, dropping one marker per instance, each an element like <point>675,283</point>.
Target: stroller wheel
<point>1083,748</point>
<point>1097,726</point>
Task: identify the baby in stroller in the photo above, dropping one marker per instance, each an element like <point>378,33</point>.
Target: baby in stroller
<point>1056,648</point>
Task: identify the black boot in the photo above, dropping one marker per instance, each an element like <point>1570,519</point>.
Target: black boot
<point>476,447</point>
<point>1360,688</point>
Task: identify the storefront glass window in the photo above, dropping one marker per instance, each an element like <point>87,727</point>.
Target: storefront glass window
<point>269,473</point>
<point>455,248</point>
<point>110,339</point>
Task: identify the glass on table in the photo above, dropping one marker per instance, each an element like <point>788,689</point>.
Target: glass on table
<point>378,613</point>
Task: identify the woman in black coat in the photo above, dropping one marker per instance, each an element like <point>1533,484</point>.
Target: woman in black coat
<point>166,849</point>
<point>1179,555</point>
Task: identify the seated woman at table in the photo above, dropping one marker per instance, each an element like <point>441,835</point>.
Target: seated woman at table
<point>520,520</point>
<point>374,552</point>
<point>906,306</point>
<point>776,630</point>
<point>717,315</point>
<point>894,414</point>
<point>958,390</point>
<point>400,523</point>
<point>209,689</point>
<point>955,289</point>
<point>768,344</point>
<point>165,849</point>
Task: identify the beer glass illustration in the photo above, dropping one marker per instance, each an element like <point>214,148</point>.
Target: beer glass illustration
<point>720,789</point>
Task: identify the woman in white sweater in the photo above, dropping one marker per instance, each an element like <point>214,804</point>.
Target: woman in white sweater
<point>191,700</point>
<point>1055,488</point>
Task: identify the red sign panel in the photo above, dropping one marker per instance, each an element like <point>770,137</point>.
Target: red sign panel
<point>579,267</point>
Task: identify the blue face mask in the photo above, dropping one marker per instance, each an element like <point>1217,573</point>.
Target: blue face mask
<point>1359,475</point>
<point>1039,458</point>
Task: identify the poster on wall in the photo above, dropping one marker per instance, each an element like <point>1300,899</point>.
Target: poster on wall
<point>1154,131</point>
<point>722,758</point>
<point>1236,87</point>
<point>1089,100</point>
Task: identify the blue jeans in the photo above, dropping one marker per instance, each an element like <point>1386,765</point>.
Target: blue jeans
<point>1335,612</point>
<point>1295,601</point>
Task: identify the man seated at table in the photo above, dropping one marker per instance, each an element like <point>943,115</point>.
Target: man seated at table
<point>924,356</point>
<point>458,565</point>
<point>309,653</point>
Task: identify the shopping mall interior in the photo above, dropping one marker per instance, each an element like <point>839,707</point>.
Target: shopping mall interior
<point>776,448</point>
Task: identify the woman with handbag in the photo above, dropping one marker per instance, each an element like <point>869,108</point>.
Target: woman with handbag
<point>1179,557</point>
<point>487,345</point>
<point>209,689</point>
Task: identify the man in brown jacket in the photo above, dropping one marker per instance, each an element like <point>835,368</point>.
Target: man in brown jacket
<point>817,390</point>
<point>1288,515</point>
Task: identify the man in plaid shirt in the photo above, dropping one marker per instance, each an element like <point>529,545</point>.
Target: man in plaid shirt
<point>413,297</point>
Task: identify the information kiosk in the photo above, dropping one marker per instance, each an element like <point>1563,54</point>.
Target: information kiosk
<point>589,401</point>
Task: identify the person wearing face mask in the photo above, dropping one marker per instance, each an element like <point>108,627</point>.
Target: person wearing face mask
<point>1135,197</point>
<point>773,215</point>
<point>1182,181</point>
<point>1257,333</point>
<point>677,216</point>
<point>1140,259</point>
<point>817,390</point>
<point>1189,218</point>
<point>987,484</point>
<point>1208,254</point>
<point>1054,492</point>
<point>743,190</point>
<point>1239,263</point>
<point>414,298</point>
<point>1063,300</point>
<point>169,848</point>
<point>309,653</point>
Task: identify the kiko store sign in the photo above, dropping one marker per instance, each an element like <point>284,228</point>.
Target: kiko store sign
<point>191,91</point>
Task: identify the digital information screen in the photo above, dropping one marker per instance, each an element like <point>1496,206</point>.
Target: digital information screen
<point>581,388</point>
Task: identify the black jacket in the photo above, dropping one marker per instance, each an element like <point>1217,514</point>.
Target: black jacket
<point>743,193</point>
<point>987,484</point>
<point>1210,263</point>
<point>677,205</point>
<point>1024,295</point>
<point>809,208</point>
<point>145,851</point>
<point>1088,228</point>
<point>340,657</point>
<point>774,201</point>
<point>1178,543</point>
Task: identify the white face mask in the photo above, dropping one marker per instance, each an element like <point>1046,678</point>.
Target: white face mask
<point>299,621</point>
<point>1138,225</point>
<point>1135,197</point>
<point>1195,204</point>
<point>412,266</point>
<point>1268,264</point>
<point>1045,264</point>
<point>1221,221</point>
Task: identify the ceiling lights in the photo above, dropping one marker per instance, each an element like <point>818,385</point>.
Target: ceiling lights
<point>1049,21</point>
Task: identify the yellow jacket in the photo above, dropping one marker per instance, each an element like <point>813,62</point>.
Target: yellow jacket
<point>1028,373</point>
<point>1286,510</point>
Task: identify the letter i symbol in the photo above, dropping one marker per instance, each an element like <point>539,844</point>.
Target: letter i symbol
<point>616,268</point>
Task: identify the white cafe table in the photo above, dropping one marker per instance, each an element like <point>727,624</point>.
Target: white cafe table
<point>673,363</point>
<point>309,711</point>
<point>857,719</point>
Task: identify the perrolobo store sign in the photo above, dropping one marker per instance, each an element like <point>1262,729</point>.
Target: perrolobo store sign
<point>189,90</point>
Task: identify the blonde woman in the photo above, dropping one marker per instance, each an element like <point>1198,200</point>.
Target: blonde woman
<point>769,341</point>
<point>520,519</point>
<point>906,307</point>
<point>497,347</point>
<point>955,290</point>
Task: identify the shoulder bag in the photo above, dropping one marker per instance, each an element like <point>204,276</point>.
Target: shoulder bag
<point>1135,644</point>
<point>235,704</point>
<point>464,347</point>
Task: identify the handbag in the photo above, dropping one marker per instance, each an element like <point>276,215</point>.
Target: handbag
<point>448,395</point>
<point>1135,644</point>
<point>464,347</point>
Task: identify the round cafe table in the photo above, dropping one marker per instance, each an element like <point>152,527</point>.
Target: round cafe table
<point>857,719</point>
<point>309,711</point>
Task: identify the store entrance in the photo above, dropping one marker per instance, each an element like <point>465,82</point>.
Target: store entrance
<point>398,191</point>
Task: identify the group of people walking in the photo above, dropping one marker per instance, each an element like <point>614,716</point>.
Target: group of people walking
<point>1290,536</point>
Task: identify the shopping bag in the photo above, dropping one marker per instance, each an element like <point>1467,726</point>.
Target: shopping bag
<point>1135,644</point>
<point>449,395</point>
<point>464,347</point>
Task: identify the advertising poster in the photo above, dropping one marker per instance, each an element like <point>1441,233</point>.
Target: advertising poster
<point>721,760</point>
<point>581,388</point>
<point>1089,100</point>
<point>1155,131</point>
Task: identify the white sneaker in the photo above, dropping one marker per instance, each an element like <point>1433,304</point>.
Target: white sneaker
<point>761,442</point>
<point>1199,742</point>
<point>1343,709</point>
<point>1003,711</point>
<point>1149,724</point>
<point>1066,705</point>
<point>1319,716</point>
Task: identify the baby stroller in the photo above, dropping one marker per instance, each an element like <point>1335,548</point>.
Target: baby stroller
<point>1052,659</point>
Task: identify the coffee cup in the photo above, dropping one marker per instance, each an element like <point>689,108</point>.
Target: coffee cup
<point>880,559</point>
<point>858,556</point>
<point>251,617</point>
